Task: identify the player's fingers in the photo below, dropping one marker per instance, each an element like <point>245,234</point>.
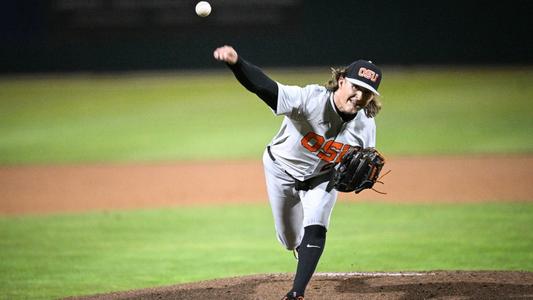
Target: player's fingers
<point>216,54</point>
<point>230,55</point>
<point>220,54</point>
<point>226,54</point>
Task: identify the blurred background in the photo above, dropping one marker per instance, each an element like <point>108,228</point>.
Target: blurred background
<point>103,35</point>
<point>135,80</point>
<point>99,97</point>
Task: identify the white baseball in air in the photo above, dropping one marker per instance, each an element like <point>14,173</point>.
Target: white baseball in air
<point>203,8</point>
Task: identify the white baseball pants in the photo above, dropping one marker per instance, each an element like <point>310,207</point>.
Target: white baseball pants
<point>293,210</point>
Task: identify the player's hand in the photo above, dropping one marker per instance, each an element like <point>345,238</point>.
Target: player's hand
<point>226,54</point>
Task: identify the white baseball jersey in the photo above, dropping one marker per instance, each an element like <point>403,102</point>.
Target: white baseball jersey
<point>313,137</point>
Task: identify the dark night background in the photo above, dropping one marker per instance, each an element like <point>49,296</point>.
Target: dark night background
<point>111,35</point>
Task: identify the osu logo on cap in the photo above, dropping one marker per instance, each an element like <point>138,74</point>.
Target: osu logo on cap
<point>368,74</point>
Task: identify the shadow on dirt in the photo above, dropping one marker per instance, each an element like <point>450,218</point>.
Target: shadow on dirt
<point>428,290</point>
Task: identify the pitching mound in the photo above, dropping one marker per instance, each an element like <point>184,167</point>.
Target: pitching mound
<point>426,285</point>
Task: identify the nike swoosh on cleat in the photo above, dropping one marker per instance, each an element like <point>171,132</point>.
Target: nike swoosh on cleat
<point>312,246</point>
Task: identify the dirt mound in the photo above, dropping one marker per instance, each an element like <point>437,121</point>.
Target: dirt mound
<point>425,285</point>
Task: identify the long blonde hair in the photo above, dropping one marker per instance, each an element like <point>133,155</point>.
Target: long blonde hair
<point>371,109</point>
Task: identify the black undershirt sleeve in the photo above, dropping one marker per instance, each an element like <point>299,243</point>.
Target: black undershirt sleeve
<point>254,80</point>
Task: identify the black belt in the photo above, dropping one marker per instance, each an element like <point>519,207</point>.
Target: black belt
<point>298,184</point>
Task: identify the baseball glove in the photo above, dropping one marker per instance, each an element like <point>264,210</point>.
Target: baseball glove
<point>358,170</point>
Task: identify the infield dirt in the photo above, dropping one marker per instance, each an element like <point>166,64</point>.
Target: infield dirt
<point>47,189</point>
<point>71,188</point>
<point>407,286</point>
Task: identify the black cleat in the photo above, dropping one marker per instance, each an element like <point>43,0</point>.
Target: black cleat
<point>293,296</point>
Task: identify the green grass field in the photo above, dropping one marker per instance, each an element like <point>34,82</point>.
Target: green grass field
<point>197,116</point>
<point>63,255</point>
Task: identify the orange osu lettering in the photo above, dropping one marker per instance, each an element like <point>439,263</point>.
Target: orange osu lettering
<point>343,152</point>
<point>312,142</point>
<point>330,150</point>
<point>368,74</point>
<point>327,151</point>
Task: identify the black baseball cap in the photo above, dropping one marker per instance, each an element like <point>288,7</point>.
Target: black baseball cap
<point>365,74</point>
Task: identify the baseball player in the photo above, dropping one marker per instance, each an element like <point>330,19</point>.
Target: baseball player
<point>320,124</point>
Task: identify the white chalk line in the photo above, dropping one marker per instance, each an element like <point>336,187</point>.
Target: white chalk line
<point>373,274</point>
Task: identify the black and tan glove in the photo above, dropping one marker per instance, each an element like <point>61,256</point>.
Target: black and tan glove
<point>358,170</point>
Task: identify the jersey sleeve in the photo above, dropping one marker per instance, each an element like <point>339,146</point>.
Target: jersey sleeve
<point>292,100</point>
